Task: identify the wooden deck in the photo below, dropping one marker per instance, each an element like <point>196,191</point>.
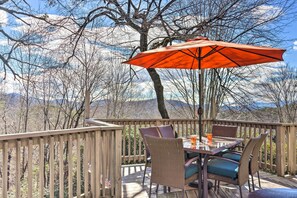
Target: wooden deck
<point>132,185</point>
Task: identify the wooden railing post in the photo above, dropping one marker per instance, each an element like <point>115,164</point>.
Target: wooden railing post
<point>118,163</point>
<point>292,150</point>
<point>280,150</point>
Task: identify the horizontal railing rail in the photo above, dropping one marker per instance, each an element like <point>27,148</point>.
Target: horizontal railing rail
<point>278,153</point>
<point>78,162</point>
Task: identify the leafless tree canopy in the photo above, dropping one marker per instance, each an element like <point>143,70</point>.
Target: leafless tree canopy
<point>60,49</point>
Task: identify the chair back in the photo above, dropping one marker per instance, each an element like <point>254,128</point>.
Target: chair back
<point>166,131</point>
<point>243,170</point>
<point>150,131</point>
<point>254,166</point>
<point>168,163</point>
<point>224,131</point>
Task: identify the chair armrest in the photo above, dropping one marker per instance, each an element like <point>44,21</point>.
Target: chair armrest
<point>190,161</point>
<point>235,152</point>
<point>223,158</point>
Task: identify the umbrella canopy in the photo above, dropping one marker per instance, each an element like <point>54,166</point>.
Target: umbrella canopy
<point>201,53</point>
<point>212,54</point>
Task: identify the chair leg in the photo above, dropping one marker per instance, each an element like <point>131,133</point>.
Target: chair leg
<point>165,189</point>
<point>249,185</point>
<point>240,191</point>
<point>169,189</point>
<point>253,182</point>
<point>218,185</point>
<point>183,193</point>
<point>145,166</point>
<point>157,188</point>
<point>150,189</point>
<point>259,179</point>
<point>215,185</point>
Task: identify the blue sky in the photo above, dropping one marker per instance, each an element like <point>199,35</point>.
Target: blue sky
<point>290,34</point>
<point>290,55</point>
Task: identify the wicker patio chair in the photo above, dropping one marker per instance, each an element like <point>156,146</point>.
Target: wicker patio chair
<point>168,164</point>
<point>230,171</point>
<point>224,130</point>
<point>166,131</point>
<point>254,164</point>
<point>150,131</point>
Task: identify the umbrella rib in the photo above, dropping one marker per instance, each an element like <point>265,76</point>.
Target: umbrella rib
<point>188,54</point>
<point>163,58</point>
<point>228,57</point>
<point>212,51</point>
<point>194,57</point>
<point>258,54</point>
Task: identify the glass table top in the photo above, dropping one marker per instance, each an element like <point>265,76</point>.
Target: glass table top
<point>214,146</point>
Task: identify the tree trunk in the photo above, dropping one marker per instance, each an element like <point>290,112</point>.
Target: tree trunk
<point>156,80</point>
<point>159,92</point>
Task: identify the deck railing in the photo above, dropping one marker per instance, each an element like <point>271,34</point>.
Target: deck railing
<point>278,153</point>
<point>81,162</point>
<point>85,162</point>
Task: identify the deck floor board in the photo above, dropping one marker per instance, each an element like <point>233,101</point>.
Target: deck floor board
<point>132,185</point>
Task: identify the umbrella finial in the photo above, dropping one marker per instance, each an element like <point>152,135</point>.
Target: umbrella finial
<point>198,38</point>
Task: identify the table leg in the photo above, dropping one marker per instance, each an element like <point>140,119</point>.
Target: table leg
<point>200,176</point>
<point>205,182</point>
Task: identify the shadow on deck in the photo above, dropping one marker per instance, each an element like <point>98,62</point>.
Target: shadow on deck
<point>132,185</point>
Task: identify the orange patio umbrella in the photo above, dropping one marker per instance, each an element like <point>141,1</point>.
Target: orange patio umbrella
<point>201,53</point>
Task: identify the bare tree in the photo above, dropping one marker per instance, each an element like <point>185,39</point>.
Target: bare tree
<point>237,21</point>
<point>280,89</point>
<point>157,23</point>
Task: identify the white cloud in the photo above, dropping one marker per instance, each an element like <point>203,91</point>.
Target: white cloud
<point>266,12</point>
<point>9,85</point>
<point>295,45</point>
<point>3,18</point>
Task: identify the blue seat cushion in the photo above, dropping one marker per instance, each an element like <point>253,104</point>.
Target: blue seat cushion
<point>191,170</point>
<point>233,156</point>
<point>223,168</point>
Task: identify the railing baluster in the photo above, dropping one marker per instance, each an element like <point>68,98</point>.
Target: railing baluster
<point>5,166</point>
<point>134,142</point>
<point>78,167</point>
<point>41,168</point>
<point>98,160</point>
<point>70,165</point>
<point>129,143</point>
<point>18,169</point>
<point>30,167</point>
<point>93,165</point>
<point>265,150</point>
<point>271,154</point>
<point>139,143</point>
<point>61,166</point>
<point>51,167</point>
<point>124,143</point>
<point>86,165</point>
<point>112,162</point>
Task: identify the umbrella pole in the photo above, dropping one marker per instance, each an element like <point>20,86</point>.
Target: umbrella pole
<point>200,110</point>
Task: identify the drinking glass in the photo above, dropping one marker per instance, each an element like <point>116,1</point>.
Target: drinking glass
<point>193,139</point>
<point>209,137</point>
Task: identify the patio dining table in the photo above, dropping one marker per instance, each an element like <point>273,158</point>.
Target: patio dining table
<point>208,148</point>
